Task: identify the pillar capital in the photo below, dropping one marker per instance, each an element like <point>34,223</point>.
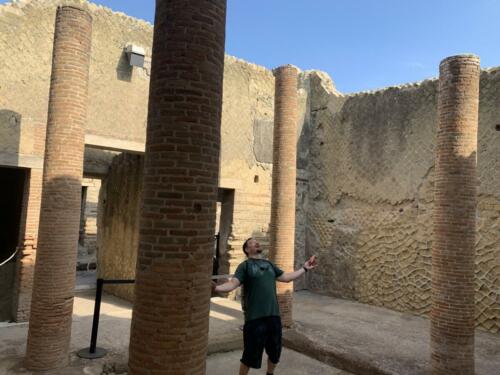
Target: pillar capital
<point>461,58</point>
<point>292,69</point>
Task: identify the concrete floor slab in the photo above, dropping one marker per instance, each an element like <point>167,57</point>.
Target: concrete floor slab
<point>343,334</point>
<point>292,363</point>
<point>371,340</point>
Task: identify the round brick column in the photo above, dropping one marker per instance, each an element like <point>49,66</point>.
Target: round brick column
<point>452,316</point>
<point>282,230</point>
<point>172,292</point>
<point>52,300</point>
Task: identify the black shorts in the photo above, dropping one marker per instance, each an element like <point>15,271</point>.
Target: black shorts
<point>260,334</point>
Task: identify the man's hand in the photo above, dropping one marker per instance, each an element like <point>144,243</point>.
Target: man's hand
<point>311,263</point>
<point>214,292</point>
<point>290,276</point>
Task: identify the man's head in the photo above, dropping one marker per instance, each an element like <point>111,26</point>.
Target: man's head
<point>251,247</point>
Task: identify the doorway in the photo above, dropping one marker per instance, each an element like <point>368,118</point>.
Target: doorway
<point>224,227</point>
<point>12,182</point>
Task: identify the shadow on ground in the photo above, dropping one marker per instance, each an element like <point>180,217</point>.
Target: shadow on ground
<point>337,333</point>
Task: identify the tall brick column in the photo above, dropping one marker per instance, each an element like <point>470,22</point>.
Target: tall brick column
<point>452,316</point>
<point>282,231</point>
<point>169,332</point>
<point>52,300</point>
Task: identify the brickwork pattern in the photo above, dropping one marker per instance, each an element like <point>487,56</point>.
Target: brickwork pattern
<point>282,229</point>
<point>169,333</point>
<point>371,225</point>
<point>52,301</point>
<point>248,99</point>
<point>453,252</point>
<point>25,265</point>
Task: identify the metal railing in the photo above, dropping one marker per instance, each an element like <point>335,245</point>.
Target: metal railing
<point>93,351</point>
<point>9,258</point>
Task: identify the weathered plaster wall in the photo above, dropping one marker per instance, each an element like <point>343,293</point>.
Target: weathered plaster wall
<point>246,154</point>
<point>371,195</point>
<point>118,93</point>
<point>247,128</point>
<point>118,222</point>
<point>118,109</point>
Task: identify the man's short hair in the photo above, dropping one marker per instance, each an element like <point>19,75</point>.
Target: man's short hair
<point>245,245</point>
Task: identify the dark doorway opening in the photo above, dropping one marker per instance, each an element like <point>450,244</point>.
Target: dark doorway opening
<point>225,207</point>
<point>12,182</point>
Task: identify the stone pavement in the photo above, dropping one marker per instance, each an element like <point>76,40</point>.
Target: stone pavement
<point>292,363</point>
<point>370,340</point>
<point>342,334</point>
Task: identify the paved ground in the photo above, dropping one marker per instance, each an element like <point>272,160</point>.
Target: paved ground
<point>114,330</point>
<point>370,340</point>
<point>86,280</point>
<point>293,363</point>
<point>358,338</point>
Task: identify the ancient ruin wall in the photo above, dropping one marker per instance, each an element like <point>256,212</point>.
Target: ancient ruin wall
<point>118,222</point>
<point>246,166</point>
<point>371,195</point>
<point>118,94</point>
<point>117,113</point>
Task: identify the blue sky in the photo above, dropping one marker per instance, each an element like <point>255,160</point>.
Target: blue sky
<point>362,44</point>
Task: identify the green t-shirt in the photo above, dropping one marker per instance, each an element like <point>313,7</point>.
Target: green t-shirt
<point>258,277</point>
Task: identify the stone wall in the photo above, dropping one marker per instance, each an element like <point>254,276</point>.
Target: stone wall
<point>371,195</point>
<point>245,177</point>
<point>246,158</point>
<point>246,154</point>
<point>117,108</point>
<point>118,222</point>
<point>118,93</point>
<point>117,117</point>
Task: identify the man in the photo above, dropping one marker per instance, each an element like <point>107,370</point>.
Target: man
<point>262,329</point>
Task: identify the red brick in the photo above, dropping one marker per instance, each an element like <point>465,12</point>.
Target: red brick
<point>170,320</point>
<point>53,287</point>
<point>282,228</point>
<point>453,254</point>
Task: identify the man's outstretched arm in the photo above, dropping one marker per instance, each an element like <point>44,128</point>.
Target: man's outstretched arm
<point>291,276</point>
<point>228,286</point>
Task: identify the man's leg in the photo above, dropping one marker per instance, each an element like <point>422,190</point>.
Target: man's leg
<point>270,366</point>
<point>273,343</point>
<point>244,369</point>
<point>254,337</point>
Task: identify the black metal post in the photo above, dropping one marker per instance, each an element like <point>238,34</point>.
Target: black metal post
<point>93,352</point>
<point>97,311</point>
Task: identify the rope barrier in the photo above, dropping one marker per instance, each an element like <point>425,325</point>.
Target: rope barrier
<point>8,259</point>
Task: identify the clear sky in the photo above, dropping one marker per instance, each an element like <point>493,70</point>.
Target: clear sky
<point>362,44</point>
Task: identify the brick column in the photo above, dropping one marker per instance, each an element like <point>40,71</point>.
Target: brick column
<point>52,300</point>
<point>282,230</point>
<point>452,316</point>
<point>169,333</point>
